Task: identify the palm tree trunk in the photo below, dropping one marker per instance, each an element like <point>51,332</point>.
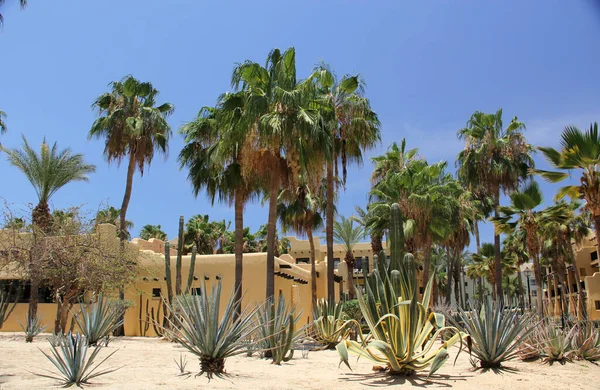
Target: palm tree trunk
<point>537,272</point>
<point>497,256</point>
<point>350,265</point>
<point>120,331</point>
<point>271,230</point>
<point>127,197</point>
<point>239,249</point>
<point>521,290</point>
<point>329,232</point>
<point>449,275</point>
<point>42,220</point>
<point>457,280</point>
<point>313,266</point>
<point>581,304</point>
<point>477,239</point>
<point>426,262</point>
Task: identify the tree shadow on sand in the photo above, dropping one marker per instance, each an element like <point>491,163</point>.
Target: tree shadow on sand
<point>382,379</point>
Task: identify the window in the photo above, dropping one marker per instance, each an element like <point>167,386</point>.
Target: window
<point>302,260</point>
<point>336,262</point>
<point>594,255</point>
<point>156,292</point>
<point>534,293</point>
<point>22,289</point>
<point>597,304</point>
<point>196,291</point>
<point>532,282</point>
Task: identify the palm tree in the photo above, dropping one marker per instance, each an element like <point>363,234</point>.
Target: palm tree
<point>205,234</point>
<point>48,171</point>
<point>348,235</point>
<point>581,151</point>
<point>495,159</point>
<point>23,5</point>
<point>522,215</point>
<point>212,151</point>
<point>132,126</point>
<point>515,247</point>
<point>282,143</point>
<point>353,127</point>
<point>152,231</point>
<point>112,215</point>
<point>300,211</point>
<point>427,196</point>
<point>2,123</point>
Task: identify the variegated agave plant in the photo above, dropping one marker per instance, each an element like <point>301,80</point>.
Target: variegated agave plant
<point>402,334</point>
<point>330,323</point>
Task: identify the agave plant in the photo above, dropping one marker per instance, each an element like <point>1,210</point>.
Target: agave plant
<point>98,320</point>
<point>586,341</point>
<point>33,327</point>
<point>209,334</point>
<point>495,333</point>
<point>277,333</point>
<point>330,323</point>
<point>71,361</point>
<point>402,333</point>
<point>554,343</point>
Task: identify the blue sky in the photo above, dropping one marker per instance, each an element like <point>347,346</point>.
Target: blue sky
<point>428,66</point>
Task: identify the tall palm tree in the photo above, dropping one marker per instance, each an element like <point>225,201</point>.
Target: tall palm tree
<point>212,152</point>
<point>152,231</point>
<point>522,215</point>
<point>48,171</point>
<point>515,247</point>
<point>353,126</point>
<point>300,211</point>
<point>133,127</point>
<point>284,138</point>
<point>347,234</point>
<point>205,234</point>
<point>580,150</point>
<point>495,160</point>
<point>112,215</point>
<point>23,4</point>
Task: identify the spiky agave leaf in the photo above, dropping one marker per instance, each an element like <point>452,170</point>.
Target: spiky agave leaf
<point>98,320</point>
<point>330,323</point>
<point>402,334</point>
<point>69,358</point>
<point>496,333</point>
<point>209,334</point>
<point>586,341</point>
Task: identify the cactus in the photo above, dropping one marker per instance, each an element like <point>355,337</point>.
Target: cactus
<point>179,254</point>
<point>396,237</point>
<point>172,295</point>
<point>188,288</point>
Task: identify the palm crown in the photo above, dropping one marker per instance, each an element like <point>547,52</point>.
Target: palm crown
<point>48,171</point>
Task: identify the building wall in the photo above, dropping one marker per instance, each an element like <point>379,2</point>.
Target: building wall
<point>295,287</point>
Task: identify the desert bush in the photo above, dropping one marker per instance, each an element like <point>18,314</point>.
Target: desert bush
<point>208,334</point>
<point>33,327</point>
<point>277,333</point>
<point>98,320</point>
<point>494,333</point>
<point>71,361</point>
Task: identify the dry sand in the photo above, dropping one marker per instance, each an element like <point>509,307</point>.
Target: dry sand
<point>148,364</point>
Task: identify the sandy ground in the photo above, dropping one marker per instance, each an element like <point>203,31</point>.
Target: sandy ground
<point>148,364</point>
